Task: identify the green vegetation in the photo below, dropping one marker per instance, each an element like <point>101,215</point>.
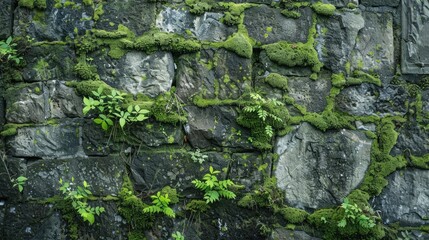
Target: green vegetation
<point>198,7</point>
<point>8,51</point>
<point>19,182</point>
<point>239,44</point>
<point>39,4</point>
<point>198,157</point>
<point>354,215</point>
<point>213,188</point>
<point>277,81</point>
<point>177,236</point>
<point>291,14</point>
<point>323,8</point>
<point>78,198</point>
<point>108,107</point>
<point>160,204</point>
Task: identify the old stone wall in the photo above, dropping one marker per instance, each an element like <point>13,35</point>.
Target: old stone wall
<point>318,112</point>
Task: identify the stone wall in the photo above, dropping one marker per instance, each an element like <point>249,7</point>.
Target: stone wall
<point>306,106</point>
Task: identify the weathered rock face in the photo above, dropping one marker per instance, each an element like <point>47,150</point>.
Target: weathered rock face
<point>318,170</point>
<point>6,18</point>
<point>309,93</point>
<point>283,234</point>
<point>405,199</point>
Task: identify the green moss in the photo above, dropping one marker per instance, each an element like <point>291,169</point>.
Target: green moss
<point>168,109</point>
<point>293,215</point>
<point>155,40</point>
<point>198,7</point>
<point>421,162</point>
<point>291,14</point>
<point>199,101</point>
<point>277,81</point>
<point>172,194</point>
<point>85,88</point>
<point>26,3</point>
<point>266,195</point>
<point>361,77</point>
<point>330,120</point>
<point>197,206</point>
<point>11,129</point>
<point>323,8</point>
<point>240,44</point>
<point>107,34</point>
<point>98,11</point>
<point>351,5</point>
<point>86,71</point>
<point>234,15</point>
<point>338,79</point>
<point>88,2</point>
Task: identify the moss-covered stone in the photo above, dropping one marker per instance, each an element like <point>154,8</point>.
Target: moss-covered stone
<point>85,88</point>
<point>291,13</point>
<point>421,162</point>
<point>239,44</point>
<point>293,215</point>
<point>198,7</point>
<point>323,8</point>
<point>277,81</point>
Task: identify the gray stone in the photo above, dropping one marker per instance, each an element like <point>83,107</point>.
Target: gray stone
<point>95,141</point>
<point>49,62</point>
<point>377,3</point>
<point>206,27</point>
<point>37,102</point>
<point>415,32</point>
<point>374,49</point>
<point>248,168</point>
<point>155,134</point>
<point>366,100</point>
<point>138,72</point>
<point>425,100</point>
<point>215,127</point>
<point>49,141</point>
<point>412,138</point>
<point>5,19</point>
<point>229,78</point>
<point>338,35</point>
<point>405,199</point>
<point>10,168</point>
<point>318,169</point>
<point>284,234</point>
<point>103,174</point>
<point>309,93</point>
<point>139,16</point>
<point>32,221</point>
<point>267,25</point>
<point>365,127</point>
<point>53,24</point>
<point>154,170</point>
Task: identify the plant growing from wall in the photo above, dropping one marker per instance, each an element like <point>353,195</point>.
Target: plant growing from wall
<point>198,157</point>
<point>160,204</point>
<point>178,236</point>
<point>110,109</point>
<point>78,198</point>
<point>213,188</point>
<point>19,182</point>
<point>8,51</point>
<point>354,215</point>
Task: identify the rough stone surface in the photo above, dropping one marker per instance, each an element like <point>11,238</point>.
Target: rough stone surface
<point>309,93</point>
<point>405,199</point>
<point>228,79</point>
<point>103,174</point>
<point>155,134</point>
<point>63,101</point>
<point>95,141</point>
<point>6,18</point>
<point>267,25</point>
<point>284,234</point>
<point>215,127</point>
<point>376,3</point>
<point>53,24</point>
<point>425,100</point>
<point>206,27</point>
<point>365,99</point>
<point>10,168</point>
<point>50,141</point>
<point>412,138</point>
<point>137,16</point>
<point>318,170</point>
<point>248,168</point>
<point>49,62</point>
<point>138,72</point>
<point>271,66</point>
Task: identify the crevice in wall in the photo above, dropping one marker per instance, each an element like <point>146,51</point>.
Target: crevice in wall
<point>14,5</point>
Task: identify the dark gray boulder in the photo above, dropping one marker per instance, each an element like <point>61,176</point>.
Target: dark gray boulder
<point>284,234</point>
<point>413,139</point>
<point>6,19</point>
<point>318,169</point>
<point>377,3</point>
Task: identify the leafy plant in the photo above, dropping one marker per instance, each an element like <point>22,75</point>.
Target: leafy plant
<point>109,109</point>
<point>160,205</point>
<point>178,236</point>
<point>8,51</point>
<point>198,157</point>
<point>257,106</point>
<point>353,214</point>
<point>213,188</point>
<point>19,182</point>
<point>79,200</point>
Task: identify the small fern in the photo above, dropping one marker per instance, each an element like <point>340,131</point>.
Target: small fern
<point>160,205</point>
<point>213,188</point>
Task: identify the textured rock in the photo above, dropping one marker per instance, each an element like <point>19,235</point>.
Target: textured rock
<point>103,174</point>
<point>412,138</point>
<point>365,99</point>
<point>206,27</point>
<point>155,134</point>
<point>248,168</point>
<point>215,127</point>
<point>10,168</point>
<point>5,19</point>
<point>376,3</point>
<point>53,24</point>
<point>227,79</point>
<point>425,100</point>
<point>49,62</point>
<point>271,66</point>
<point>37,102</point>
<point>267,25</point>
<point>318,169</point>
<point>405,199</point>
<point>50,141</point>
<point>138,72</point>
<point>95,141</point>
<point>284,234</point>
<point>139,16</point>
<point>311,94</point>
<point>374,50</point>
<point>155,170</point>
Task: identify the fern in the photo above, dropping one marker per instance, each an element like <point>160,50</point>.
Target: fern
<point>160,205</point>
<point>213,188</point>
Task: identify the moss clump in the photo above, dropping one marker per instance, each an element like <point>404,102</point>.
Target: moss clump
<point>88,2</point>
<point>421,162</point>
<point>330,120</point>
<point>351,5</point>
<point>361,77</point>
<point>293,215</point>
<point>323,8</point>
<point>168,109</point>
<point>86,71</point>
<point>291,13</point>
<point>107,34</point>
<point>239,44</point>
<point>172,194</point>
<point>39,4</point>
<point>11,129</point>
<point>266,195</point>
<point>277,81</point>
<point>85,88</point>
<point>198,7</point>
<point>156,40</point>
<point>98,11</point>
<point>197,206</point>
<point>338,79</point>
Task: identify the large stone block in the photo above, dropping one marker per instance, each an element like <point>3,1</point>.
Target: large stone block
<point>6,20</point>
<point>103,174</point>
<point>405,199</point>
<point>413,139</point>
<point>318,169</point>
<point>380,3</point>
<point>267,25</point>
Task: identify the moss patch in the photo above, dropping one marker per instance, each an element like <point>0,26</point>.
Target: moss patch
<point>277,81</point>
<point>323,8</point>
<point>239,44</point>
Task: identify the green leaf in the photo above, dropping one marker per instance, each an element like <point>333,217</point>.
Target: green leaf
<point>21,179</point>
<point>104,126</point>
<point>20,188</point>
<point>122,122</point>
<point>141,117</point>
<point>109,121</point>
<point>8,40</point>
<point>342,223</point>
<point>86,109</point>
<point>137,108</point>
<point>130,108</point>
<point>98,121</point>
